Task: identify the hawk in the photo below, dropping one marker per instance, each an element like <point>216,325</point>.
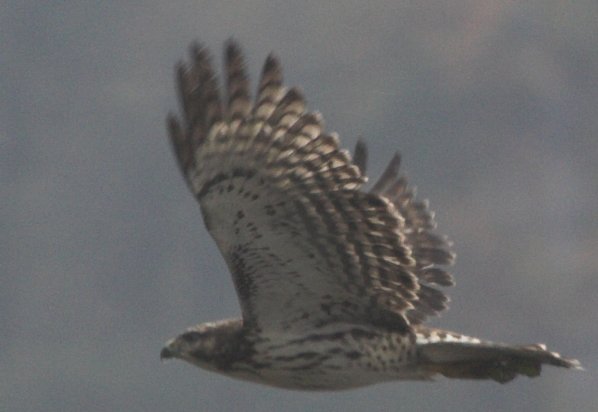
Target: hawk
<point>334,282</point>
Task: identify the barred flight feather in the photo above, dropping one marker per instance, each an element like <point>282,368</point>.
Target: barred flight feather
<point>273,155</point>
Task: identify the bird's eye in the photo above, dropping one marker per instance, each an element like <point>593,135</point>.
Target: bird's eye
<point>190,336</point>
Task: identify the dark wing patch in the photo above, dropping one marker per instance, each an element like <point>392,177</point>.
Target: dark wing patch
<point>280,198</point>
<point>360,156</point>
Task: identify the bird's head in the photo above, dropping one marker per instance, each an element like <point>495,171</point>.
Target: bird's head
<point>212,345</point>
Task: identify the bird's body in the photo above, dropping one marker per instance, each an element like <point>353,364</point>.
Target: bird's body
<point>345,356</point>
<point>334,282</point>
<point>335,356</point>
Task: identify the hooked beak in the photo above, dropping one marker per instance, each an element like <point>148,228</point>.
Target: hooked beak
<point>167,351</point>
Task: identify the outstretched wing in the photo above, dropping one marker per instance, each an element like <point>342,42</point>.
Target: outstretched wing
<point>304,244</point>
<point>429,250</point>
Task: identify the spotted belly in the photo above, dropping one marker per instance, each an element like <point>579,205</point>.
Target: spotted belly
<point>333,358</point>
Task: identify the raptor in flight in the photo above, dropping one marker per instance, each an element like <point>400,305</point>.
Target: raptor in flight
<point>334,282</point>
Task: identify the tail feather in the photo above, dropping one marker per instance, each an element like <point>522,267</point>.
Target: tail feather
<point>470,358</point>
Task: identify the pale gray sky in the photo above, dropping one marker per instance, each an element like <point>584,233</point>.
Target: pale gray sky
<point>493,105</point>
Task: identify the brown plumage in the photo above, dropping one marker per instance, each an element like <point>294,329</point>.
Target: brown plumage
<point>334,282</point>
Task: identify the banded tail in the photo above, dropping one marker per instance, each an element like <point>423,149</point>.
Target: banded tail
<point>463,357</point>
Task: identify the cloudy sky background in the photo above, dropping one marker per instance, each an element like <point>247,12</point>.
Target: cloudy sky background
<point>493,104</point>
